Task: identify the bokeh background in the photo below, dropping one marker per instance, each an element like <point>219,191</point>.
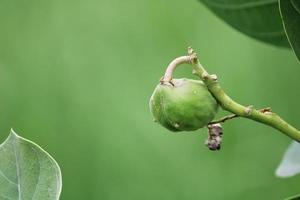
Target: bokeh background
<point>76,77</point>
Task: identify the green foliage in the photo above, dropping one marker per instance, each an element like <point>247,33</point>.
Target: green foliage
<point>290,11</point>
<point>290,164</point>
<point>296,197</point>
<point>27,171</point>
<point>259,19</point>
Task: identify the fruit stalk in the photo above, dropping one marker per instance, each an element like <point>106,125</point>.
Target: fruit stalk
<point>210,80</point>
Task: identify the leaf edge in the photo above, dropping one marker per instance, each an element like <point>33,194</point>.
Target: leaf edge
<point>287,35</point>
<point>13,135</point>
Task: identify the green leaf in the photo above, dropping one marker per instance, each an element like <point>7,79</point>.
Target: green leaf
<point>259,19</point>
<point>290,12</point>
<point>296,197</point>
<point>290,164</point>
<point>27,171</point>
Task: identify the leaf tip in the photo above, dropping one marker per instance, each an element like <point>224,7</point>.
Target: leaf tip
<point>290,164</point>
<point>13,133</point>
<point>281,174</point>
<point>286,172</point>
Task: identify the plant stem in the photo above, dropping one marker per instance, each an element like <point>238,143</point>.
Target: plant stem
<point>232,116</point>
<point>172,66</point>
<point>267,117</point>
<point>224,119</point>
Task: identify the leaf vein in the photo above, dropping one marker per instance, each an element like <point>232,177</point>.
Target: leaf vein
<point>39,172</point>
<point>295,6</point>
<point>18,169</point>
<point>6,178</point>
<point>7,197</point>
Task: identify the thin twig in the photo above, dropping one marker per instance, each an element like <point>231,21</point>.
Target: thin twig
<point>223,119</point>
<point>232,116</point>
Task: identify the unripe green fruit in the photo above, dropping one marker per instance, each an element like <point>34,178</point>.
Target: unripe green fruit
<point>185,106</point>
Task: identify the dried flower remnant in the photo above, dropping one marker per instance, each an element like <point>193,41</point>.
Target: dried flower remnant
<point>214,139</point>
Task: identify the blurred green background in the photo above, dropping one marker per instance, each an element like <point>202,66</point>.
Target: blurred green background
<point>76,77</point>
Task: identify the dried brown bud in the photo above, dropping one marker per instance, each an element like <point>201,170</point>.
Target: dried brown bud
<point>214,139</point>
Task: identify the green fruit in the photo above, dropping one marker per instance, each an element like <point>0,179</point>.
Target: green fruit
<point>187,105</point>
